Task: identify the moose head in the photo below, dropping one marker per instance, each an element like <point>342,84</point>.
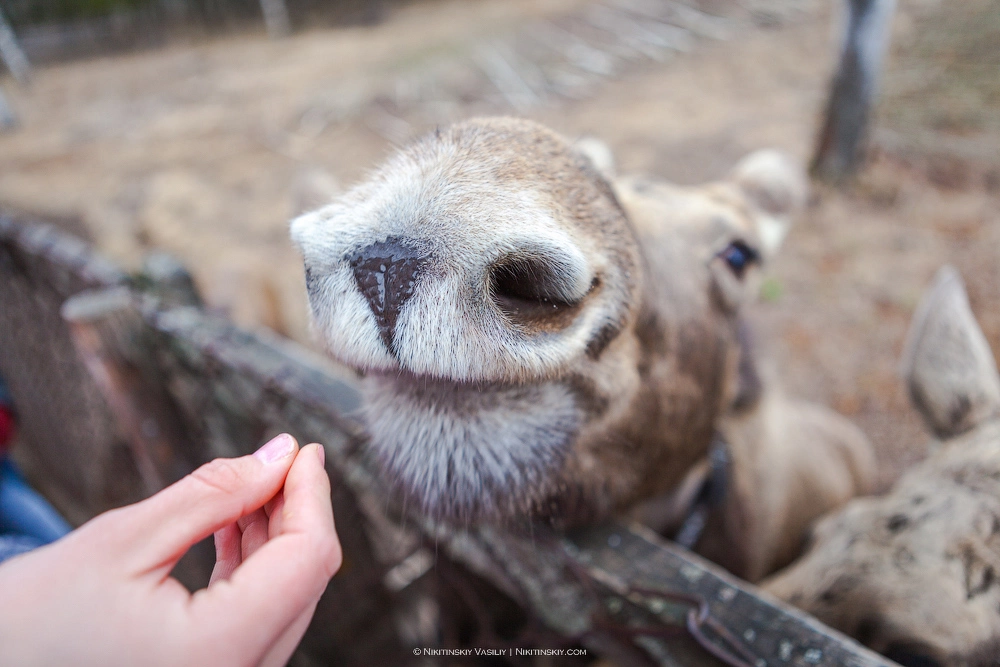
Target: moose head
<point>916,574</point>
<point>537,339</point>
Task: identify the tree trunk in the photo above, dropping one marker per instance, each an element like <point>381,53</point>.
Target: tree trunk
<point>276,18</point>
<point>840,147</point>
<point>11,53</point>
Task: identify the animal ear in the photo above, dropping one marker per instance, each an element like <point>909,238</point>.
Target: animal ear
<point>777,187</point>
<point>947,363</point>
<point>599,154</point>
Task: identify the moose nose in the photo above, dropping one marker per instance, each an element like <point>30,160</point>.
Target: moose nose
<point>386,274</point>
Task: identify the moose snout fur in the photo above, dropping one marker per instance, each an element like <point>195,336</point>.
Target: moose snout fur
<point>537,338</point>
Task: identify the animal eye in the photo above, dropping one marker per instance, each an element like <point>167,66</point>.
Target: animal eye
<point>738,255</point>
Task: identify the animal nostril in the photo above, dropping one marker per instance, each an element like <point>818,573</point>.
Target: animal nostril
<point>386,273</point>
<point>531,290</point>
<point>523,280</point>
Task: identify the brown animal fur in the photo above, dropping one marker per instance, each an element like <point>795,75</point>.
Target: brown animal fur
<point>916,573</point>
<point>791,463</point>
<point>564,346</point>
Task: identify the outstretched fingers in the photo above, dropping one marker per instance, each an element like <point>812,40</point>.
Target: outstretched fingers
<point>212,498</point>
<point>269,598</point>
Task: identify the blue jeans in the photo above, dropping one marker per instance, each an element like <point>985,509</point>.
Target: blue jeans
<point>27,520</point>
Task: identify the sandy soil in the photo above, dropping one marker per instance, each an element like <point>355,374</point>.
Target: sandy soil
<point>207,149</point>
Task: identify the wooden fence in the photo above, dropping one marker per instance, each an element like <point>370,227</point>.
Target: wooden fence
<point>124,384</point>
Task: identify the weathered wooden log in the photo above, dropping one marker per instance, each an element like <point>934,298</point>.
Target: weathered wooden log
<point>53,260</point>
<point>112,343</point>
<point>615,590</point>
<point>613,587</point>
<point>168,280</point>
<point>72,452</point>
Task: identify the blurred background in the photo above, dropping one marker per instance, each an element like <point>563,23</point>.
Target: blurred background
<point>200,127</point>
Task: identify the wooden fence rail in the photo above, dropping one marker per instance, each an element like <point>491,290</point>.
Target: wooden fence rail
<point>121,391</point>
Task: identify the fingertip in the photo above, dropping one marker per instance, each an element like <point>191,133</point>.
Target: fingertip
<point>301,556</point>
<point>330,552</point>
<point>308,483</point>
<point>276,449</point>
<point>215,494</point>
<point>317,452</point>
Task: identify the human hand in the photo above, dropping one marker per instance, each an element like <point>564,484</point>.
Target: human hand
<point>103,594</point>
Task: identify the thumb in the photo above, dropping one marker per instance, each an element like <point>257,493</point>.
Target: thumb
<point>163,527</point>
<point>272,595</point>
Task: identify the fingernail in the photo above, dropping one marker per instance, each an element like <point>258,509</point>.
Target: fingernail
<point>321,453</point>
<point>276,449</point>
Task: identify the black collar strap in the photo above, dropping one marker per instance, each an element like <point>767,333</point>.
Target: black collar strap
<point>710,496</point>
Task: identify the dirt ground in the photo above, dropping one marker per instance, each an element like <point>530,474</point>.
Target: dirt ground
<point>207,149</point>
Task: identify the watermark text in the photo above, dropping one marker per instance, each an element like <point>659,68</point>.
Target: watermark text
<point>499,652</point>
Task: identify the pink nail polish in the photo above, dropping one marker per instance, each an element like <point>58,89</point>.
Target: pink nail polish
<point>276,449</point>
<point>321,452</point>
